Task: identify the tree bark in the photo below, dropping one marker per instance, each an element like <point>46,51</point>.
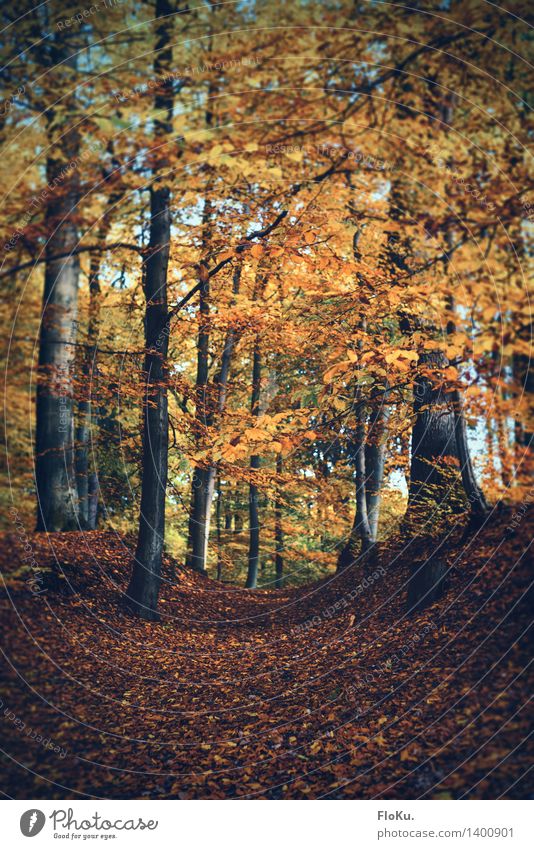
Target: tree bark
<point>427,583</point>
<point>54,462</point>
<point>523,372</point>
<point>361,529</point>
<point>278,530</point>
<point>254,519</point>
<point>145,581</point>
<point>375,458</point>
<point>86,480</point>
<point>478,505</point>
<point>433,439</point>
<point>227,513</point>
<point>86,484</point>
<point>219,529</point>
<point>238,516</point>
<point>204,478</point>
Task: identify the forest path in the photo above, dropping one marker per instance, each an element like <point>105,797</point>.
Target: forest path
<point>324,690</point>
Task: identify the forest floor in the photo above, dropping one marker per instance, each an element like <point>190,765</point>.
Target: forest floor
<point>324,691</point>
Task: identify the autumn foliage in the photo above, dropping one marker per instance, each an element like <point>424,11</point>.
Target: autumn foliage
<point>268,325</point>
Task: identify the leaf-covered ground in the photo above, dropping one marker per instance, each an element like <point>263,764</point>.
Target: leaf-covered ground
<point>327,691</point>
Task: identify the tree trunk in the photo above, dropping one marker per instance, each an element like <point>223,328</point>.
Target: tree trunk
<point>238,516</point>
<point>227,514</point>
<point>218,523</point>
<point>479,506</point>
<point>278,531</point>
<point>86,480</point>
<point>361,528</point>
<point>375,458</point>
<point>433,440</point>
<point>524,377</point>
<point>146,575</point>
<point>199,523</point>
<point>254,519</point>
<point>427,583</point>
<point>204,479</point>
<point>87,490</point>
<point>54,462</point>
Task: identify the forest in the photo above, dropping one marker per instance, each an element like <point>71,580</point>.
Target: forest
<point>268,412</point>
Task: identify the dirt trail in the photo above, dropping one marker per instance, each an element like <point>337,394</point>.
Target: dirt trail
<point>323,691</point>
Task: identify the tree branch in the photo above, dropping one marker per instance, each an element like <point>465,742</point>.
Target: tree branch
<point>243,246</point>
<point>85,249</point>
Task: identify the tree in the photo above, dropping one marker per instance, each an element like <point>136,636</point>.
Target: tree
<point>57,508</point>
<point>254,515</point>
<point>146,574</point>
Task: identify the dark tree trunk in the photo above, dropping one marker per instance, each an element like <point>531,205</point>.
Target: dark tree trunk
<point>427,583</point>
<point>439,430</point>
<point>523,372</point>
<point>54,462</point>
<point>203,478</point>
<point>433,440</point>
<point>478,505</point>
<point>278,531</point>
<point>254,518</point>
<point>146,575</point>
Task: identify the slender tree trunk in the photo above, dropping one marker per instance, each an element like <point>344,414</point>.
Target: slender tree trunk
<point>199,528</point>
<point>54,463</point>
<point>219,529</point>
<point>146,575</point>
<point>203,483</point>
<point>204,478</point>
<point>361,521</point>
<point>227,513</point>
<point>502,441</point>
<point>523,372</point>
<point>254,518</point>
<point>238,516</point>
<point>375,458</point>
<point>361,529</point>
<point>86,412</point>
<point>87,480</point>
<point>278,530</point>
